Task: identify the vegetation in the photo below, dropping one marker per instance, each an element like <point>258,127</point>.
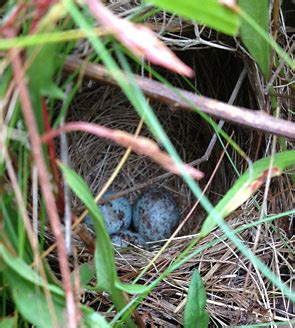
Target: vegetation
<point>53,272</point>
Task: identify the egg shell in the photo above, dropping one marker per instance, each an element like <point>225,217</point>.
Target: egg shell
<point>155,214</point>
<point>125,237</point>
<point>117,214</point>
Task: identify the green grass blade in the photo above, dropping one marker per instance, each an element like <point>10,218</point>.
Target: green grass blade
<point>105,265</point>
<point>258,47</point>
<point>104,254</point>
<point>132,288</point>
<point>246,185</point>
<point>267,38</point>
<point>209,12</point>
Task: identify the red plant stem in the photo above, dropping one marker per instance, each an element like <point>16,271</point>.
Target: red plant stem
<point>45,185</point>
<point>52,155</point>
<point>10,20</point>
<point>140,145</point>
<point>41,9</point>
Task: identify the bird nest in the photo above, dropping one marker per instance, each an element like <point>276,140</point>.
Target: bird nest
<point>236,292</point>
<point>95,159</point>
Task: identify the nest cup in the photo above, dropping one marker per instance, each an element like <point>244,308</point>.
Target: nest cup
<point>96,158</point>
<point>231,297</point>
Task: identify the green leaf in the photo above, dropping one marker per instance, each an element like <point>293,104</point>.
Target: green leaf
<point>32,303</point>
<point>27,289</point>
<point>28,292</point>
<point>40,75</point>
<point>8,322</point>
<point>247,185</point>
<point>194,313</point>
<point>209,12</point>
<point>104,254</point>
<point>87,272</point>
<point>92,319</point>
<point>257,46</point>
<point>42,69</point>
<point>25,271</point>
<point>132,288</point>
<point>203,321</point>
<point>54,92</point>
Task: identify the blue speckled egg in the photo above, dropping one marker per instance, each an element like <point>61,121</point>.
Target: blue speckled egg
<point>125,237</point>
<point>117,214</point>
<point>155,214</point>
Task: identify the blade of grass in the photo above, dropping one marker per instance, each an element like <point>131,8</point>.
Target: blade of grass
<point>47,38</point>
<point>104,254</point>
<point>247,184</point>
<point>267,38</point>
<point>136,97</point>
<point>209,12</point>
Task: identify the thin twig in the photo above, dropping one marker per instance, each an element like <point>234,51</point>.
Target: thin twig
<point>179,98</point>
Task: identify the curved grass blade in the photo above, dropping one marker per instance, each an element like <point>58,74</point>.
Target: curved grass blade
<point>132,288</point>
<point>247,185</point>
<point>104,254</point>
<point>105,265</point>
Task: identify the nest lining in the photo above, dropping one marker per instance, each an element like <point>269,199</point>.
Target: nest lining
<point>223,268</point>
<point>224,272</point>
<point>96,158</point>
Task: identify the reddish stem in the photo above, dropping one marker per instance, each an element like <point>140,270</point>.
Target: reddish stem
<point>52,155</point>
<point>140,145</point>
<point>45,184</point>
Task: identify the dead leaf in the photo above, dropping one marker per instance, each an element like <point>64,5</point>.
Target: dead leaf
<point>139,39</point>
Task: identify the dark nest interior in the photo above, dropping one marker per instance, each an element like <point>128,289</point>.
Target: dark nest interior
<point>237,293</point>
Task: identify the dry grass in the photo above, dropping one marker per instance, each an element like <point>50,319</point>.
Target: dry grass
<point>222,267</point>
<point>237,293</point>
<point>224,272</point>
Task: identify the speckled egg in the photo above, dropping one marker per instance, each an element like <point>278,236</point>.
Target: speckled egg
<point>155,214</point>
<point>125,237</point>
<point>117,214</point>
